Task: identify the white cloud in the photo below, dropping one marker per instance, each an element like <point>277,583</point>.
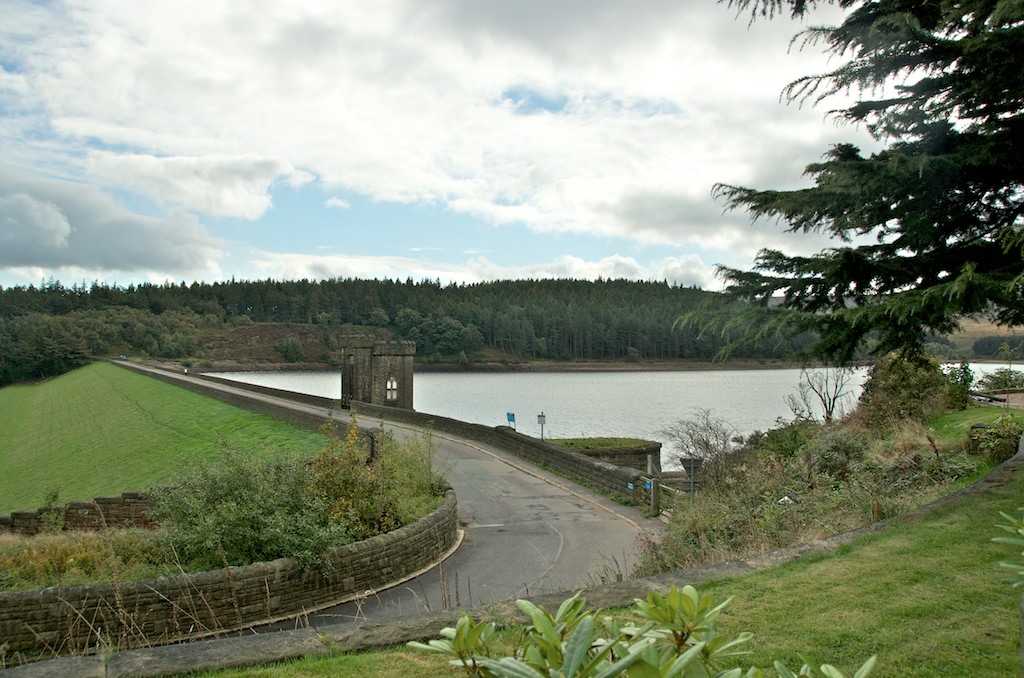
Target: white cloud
<point>290,266</point>
<point>65,226</point>
<point>581,116</point>
<point>28,224</point>
<point>218,185</point>
<point>685,270</point>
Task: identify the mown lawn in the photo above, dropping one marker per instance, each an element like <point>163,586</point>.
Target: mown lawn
<point>929,598</point>
<point>102,430</point>
<point>953,427</point>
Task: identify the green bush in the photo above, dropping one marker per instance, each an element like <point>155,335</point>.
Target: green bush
<point>410,477</point>
<point>901,387</point>
<point>676,636</point>
<point>1002,379</point>
<point>787,439</point>
<point>243,508</point>
<point>291,350</point>
<point>246,508</point>
<point>959,381</point>
<point>836,451</point>
<point>999,441</point>
<point>352,488</point>
<point>1015,526</point>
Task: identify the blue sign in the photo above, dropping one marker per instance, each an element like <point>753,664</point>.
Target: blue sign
<point>511,417</point>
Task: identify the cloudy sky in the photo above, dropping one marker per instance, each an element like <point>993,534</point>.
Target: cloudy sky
<point>460,140</point>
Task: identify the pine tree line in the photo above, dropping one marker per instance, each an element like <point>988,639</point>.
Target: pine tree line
<point>51,328</point>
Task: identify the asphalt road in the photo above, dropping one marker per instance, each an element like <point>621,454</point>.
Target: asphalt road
<point>525,532</point>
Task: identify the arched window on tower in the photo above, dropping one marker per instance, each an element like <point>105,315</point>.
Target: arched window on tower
<point>391,389</point>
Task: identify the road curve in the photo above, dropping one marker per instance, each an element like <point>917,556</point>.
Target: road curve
<point>525,531</point>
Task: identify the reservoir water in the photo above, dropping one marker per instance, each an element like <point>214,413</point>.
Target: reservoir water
<point>585,404</point>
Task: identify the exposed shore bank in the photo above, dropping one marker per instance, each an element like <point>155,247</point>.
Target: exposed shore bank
<point>608,366</point>
<point>526,366</point>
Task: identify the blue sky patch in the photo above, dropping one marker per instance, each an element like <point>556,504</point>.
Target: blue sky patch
<point>529,101</point>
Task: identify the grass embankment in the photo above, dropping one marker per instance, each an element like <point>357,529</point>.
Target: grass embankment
<point>927,597</point>
<point>102,430</point>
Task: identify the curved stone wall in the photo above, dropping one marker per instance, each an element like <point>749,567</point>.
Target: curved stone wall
<point>83,617</point>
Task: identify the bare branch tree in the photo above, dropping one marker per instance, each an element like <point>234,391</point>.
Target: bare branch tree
<point>828,386</point>
<point>702,435</point>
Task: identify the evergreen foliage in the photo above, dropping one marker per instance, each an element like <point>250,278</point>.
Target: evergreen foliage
<point>504,320</point>
<point>931,228</point>
<point>902,387</point>
<point>997,347</point>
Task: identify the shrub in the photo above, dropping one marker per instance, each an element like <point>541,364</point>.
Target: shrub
<point>835,452</point>
<point>1002,379</point>
<point>1015,526</point>
<point>370,496</point>
<point>243,508</point>
<point>677,635</point>
<point>959,381</point>
<point>291,350</point>
<point>410,478</point>
<point>353,489</point>
<point>999,441</point>
<point>786,441</point>
<point>901,387</point>
<point>805,480</point>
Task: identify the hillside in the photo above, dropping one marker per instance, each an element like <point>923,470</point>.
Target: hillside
<point>101,430</point>
<point>52,329</point>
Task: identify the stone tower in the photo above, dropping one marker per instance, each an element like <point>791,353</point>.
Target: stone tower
<point>377,372</point>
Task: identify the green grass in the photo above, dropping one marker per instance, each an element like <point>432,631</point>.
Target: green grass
<point>953,427</point>
<point>928,598</point>
<point>102,430</point>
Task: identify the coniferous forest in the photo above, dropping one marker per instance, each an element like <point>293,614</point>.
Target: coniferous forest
<point>51,328</point>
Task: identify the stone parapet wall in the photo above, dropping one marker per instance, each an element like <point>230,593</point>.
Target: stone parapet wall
<point>157,610</point>
<point>131,509</point>
<point>634,457</point>
<point>624,482</point>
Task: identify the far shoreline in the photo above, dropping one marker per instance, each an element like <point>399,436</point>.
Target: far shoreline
<point>494,367</point>
<point>607,366</point>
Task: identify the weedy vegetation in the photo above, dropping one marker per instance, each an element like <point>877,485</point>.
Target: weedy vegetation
<point>806,478</point>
